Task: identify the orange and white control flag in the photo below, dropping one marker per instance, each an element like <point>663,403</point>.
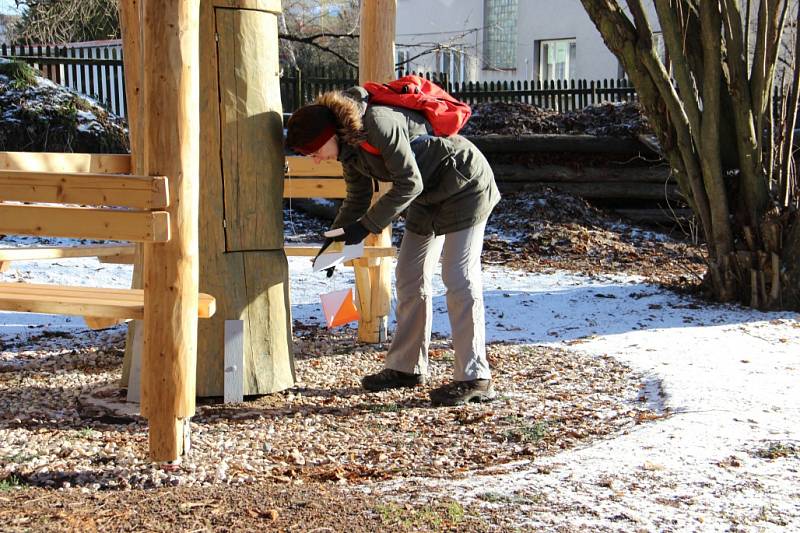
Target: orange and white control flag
<point>338,308</point>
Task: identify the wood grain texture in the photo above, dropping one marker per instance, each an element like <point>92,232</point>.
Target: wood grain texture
<point>251,129</point>
<point>251,286</point>
<point>171,148</point>
<point>376,63</point>
<point>131,13</point>
<point>58,162</point>
<point>77,222</point>
<point>143,192</point>
<point>299,166</point>
<point>84,301</point>
<point>59,252</point>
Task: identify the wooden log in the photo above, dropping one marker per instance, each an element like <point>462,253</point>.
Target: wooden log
<point>143,192</point>
<point>251,283</point>
<point>170,92</point>
<point>90,223</point>
<point>131,13</point>
<point>496,144</point>
<point>250,107</point>
<point>601,191</point>
<point>58,162</point>
<point>551,173</point>
<point>376,63</point>
<point>655,215</point>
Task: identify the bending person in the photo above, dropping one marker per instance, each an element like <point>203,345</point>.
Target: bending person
<point>448,190</point>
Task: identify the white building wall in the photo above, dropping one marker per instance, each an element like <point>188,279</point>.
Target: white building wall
<point>438,21</point>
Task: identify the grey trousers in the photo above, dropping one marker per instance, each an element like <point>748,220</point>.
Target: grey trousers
<point>461,273</point>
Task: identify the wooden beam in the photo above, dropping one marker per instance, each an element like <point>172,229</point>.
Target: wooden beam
<point>299,166</point>
<point>94,322</point>
<point>270,6</point>
<point>376,63</point>
<point>143,192</point>
<point>58,162</point>
<point>312,251</point>
<point>171,148</point>
<point>88,223</point>
<point>131,13</point>
<point>64,252</point>
<point>314,188</point>
<point>84,301</point>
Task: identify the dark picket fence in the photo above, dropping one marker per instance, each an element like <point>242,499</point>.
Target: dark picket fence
<point>95,71</point>
<point>98,73</point>
<point>561,95</point>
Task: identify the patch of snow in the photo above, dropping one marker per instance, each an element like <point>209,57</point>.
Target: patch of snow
<point>726,375</point>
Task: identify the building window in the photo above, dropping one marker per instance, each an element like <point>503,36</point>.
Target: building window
<point>557,59</point>
<point>500,34</point>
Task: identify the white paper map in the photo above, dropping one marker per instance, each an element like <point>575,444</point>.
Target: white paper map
<point>338,253</point>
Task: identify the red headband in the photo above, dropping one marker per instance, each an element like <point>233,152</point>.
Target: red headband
<point>317,142</point>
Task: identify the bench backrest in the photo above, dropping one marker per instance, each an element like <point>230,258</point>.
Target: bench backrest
<point>81,195</point>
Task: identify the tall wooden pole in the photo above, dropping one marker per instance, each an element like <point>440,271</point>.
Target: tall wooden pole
<point>171,91</point>
<point>130,14</point>
<point>375,63</point>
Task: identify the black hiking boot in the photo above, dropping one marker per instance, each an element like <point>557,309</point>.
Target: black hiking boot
<point>391,379</point>
<point>461,392</point>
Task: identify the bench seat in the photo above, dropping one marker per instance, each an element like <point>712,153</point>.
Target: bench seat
<point>100,306</point>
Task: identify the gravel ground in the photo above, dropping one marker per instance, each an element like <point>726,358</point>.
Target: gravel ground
<point>324,429</point>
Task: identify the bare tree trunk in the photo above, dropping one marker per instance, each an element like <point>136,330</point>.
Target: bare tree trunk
<point>712,123</point>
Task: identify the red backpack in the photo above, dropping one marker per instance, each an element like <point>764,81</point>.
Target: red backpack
<point>446,114</point>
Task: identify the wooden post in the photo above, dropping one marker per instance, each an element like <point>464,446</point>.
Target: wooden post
<point>171,141</point>
<point>376,63</point>
<point>242,262</point>
<point>131,13</point>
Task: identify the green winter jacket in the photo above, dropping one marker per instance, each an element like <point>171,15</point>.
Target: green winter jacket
<point>445,183</point>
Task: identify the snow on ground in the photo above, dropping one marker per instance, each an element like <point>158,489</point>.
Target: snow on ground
<point>726,376</point>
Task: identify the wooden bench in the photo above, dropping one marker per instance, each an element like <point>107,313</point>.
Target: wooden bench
<point>105,179</point>
<point>39,201</point>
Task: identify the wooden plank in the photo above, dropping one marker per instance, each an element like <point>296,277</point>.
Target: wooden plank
<point>129,259</point>
<point>314,188</point>
<point>94,322</point>
<point>271,6</point>
<point>312,251</point>
<point>83,301</point>
<point>58,162</point>
<point>234,361</point>
<point>299,166</point>
<point>143,192</point>
<point>77,222</point>
<point>61,252</point>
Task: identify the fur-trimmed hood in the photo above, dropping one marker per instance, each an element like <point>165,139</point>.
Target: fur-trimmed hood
<point>349,107</point>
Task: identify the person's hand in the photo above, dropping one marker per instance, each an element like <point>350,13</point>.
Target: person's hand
<point>351,234</point>
<point>328,241</point>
